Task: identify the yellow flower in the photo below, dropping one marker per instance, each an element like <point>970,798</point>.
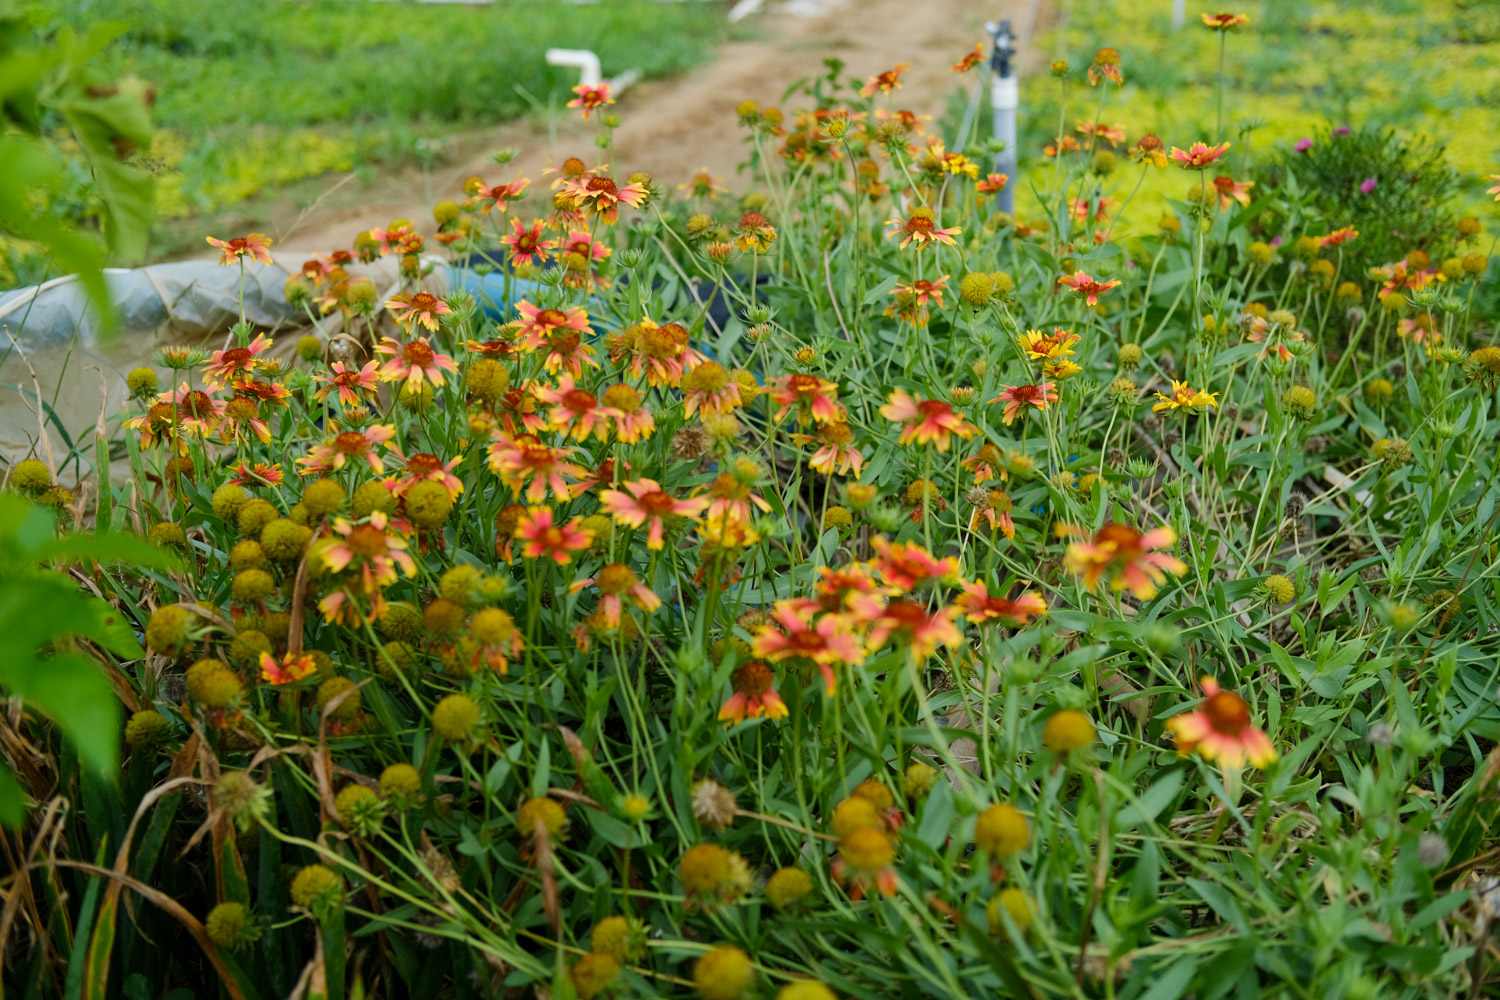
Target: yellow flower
<point>1184,398</point>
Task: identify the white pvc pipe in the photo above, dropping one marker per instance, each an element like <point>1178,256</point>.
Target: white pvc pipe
<point>1005,99</point>
<point>587,63</point>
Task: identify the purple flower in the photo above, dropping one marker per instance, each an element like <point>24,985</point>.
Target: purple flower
<point>1367,185</point>
<point>1276,242</point>
<point>1303,145</point>
<point>1341,130</point>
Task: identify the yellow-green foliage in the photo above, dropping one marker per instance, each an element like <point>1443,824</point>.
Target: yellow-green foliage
<point>1297,65</point>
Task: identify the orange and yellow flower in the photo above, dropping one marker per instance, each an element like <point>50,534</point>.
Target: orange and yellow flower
<point>884,82</point>
<point>1018,397</point>
<point>1337,237</point>
<point>256,246</point>
<point>982,607</point>
<point>1224,22</point>
<point>1184,398</point>
<point>524,462</point>
<point>224,367</point>
<point>644,502</point>
<point>1231,190</point>
<point>1085,287</point>
<point>1199,155</point>
<point>754,695</point>
<point>1128,557</point>
<point>419,307</point>
<point>546,539</point>
<point>794,634</point>
<point>591,98</point>
<point>812,396</point>
<point>1219,729</point>
<point>292,667</point>
<point>352,385</point>
<point>921,227</point>
<point>527,243</point>
<point>617,583</point>
<point>413,362</point>
<point>338,450</point>
<point>926,420</point>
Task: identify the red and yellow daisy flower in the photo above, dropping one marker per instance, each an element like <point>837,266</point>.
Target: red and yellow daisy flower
<point>1113,134</point>
<point>537,325</point>
<point>926,420</point>
<point>921,629</point>
<point>992,183</point>
<point>1061,146</point>
<point>1106,66</point>
<point>420,467</point>
<point>1086,287</point>
<point>904,565</point>
<point>591,97</point>
<point>545,538</point>
<point>754,695</point>
<point>884,82</point>
<point>920,227</point>
<point>836,453</point>
<point>501,195</point>
<point>814,397</point>
<point>1199,155</point>
<point>526,243</point>
<point>340,449</point>
<point>292,667</point>
<point>1219,729</point>
<point>1039,346</point>
<point>352,385</point>
<point>576,411</point>
<point>224,367</point>
<point>601,197</point>
<point>792,634</point>
<point>413,362</point>
<point>524,462</point>
<point>1018,397</point>
<point>419,307</point>
<point>644,502</point>
<point>633,421</point>
<point>1128,557</point>
<point>969,61</point>
<point>259,474</point>
<point>1230,190</point>
<point>1337,237</point>
<point>618,583</point>
<point>982,607</point>
<point>256,246</point>
<point>1224,22</point>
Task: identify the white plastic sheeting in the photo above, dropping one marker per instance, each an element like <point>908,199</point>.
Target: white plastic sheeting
<point>53,331</point>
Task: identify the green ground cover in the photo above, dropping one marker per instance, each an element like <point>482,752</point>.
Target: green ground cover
<point>1300,65</point>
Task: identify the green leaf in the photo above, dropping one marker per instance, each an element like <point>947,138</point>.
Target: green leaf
<point>12,800</point>
<point>1155,799</point>
<point>68,689</point>
<point>937,816</point>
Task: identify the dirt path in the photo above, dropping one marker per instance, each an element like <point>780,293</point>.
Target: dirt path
<point>672,128</point>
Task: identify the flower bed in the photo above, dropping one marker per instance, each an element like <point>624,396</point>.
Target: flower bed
<point>969,609</point>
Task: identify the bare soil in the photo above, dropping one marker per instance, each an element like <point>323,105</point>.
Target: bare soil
<point>669,128</point>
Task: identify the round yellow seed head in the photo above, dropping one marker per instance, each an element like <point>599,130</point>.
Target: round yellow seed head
<point>1002,831</point>
<point>1068,730</point>
<point>316,883</point>
<point>455,717</point>
<point>399,780</point>
<point>723,973</point>
<point>1280,589</point>
<point>225,924</point>
<point>788,887</point>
